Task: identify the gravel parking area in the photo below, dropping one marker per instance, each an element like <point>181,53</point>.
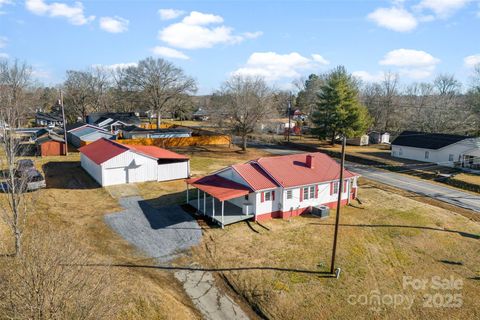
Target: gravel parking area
<point>160,233</point>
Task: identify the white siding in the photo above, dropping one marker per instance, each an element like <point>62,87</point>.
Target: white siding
<point>233,175</point>
<point>174,170</point>
<point>440,156</point>
<point>268,206</point>
<point>129,167</point>
<point>93,169</point>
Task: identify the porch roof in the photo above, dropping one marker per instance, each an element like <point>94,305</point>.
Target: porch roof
<point>220,188</point>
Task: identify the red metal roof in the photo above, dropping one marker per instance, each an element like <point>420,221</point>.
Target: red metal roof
<point>104,149</point>
<point>156,152</point>
<point>292,170</point>
<point>255,176</point>
<point>219,187</point>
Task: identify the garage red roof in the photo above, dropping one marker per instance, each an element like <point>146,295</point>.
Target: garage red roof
<point>104,149</point>
<point>219,187</point>
<point>156,152</point>
<point>255,176</point>
<point>292,170</point>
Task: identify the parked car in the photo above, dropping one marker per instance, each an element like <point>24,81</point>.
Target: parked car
<point>27,177</point>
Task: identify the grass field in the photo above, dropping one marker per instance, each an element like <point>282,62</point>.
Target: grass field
<point>380,241</point>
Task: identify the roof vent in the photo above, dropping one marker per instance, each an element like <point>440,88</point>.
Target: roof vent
<point>309,161</point>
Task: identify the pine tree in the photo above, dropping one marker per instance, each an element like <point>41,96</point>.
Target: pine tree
<point>338,110</point>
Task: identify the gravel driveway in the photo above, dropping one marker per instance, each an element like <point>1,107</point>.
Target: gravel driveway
<point>160,233</point>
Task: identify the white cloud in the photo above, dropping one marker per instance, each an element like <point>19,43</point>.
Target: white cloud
<point>3,41</point>
<point>115,66</point>
<point>409,58</point>
<point>472,61</point>
<point>169,14</point>
<point>442,8</point>
<point>252,35</point>
<point>318,58</point>
<point>74,14</point>
<point>415,64</point>
<point>4,55</point>
<point>397,19</point>
<point>169,53</point>
<point>200,19</point>
<point>4,2</point>
<point>114,24</point>
<point>368,77</point>
<point>274,66</point>
<point>195,31</point>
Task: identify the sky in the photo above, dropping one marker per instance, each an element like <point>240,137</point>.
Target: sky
<point>281,41</point>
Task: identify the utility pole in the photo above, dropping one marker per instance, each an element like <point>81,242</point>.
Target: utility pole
<point>339,201</point>
<point>289,116</point>
<point>64,123</point>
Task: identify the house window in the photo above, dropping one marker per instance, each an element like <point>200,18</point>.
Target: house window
<point>400,151</point>
<point>427,154</point>
<point>268,196</point>
<point>308,192</point>
<point>289,194</point>
<point>450,157</point>
<point>246,197</point>
<point>335,187</point>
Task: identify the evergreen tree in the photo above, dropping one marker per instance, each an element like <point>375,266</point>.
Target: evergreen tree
<point>338,110</point>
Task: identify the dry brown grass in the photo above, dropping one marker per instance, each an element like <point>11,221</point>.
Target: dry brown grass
<point>73,201</point>
<point>387,237</point>
<point>469,178</point>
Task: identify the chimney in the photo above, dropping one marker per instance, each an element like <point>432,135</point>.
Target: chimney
<point>309,161</point>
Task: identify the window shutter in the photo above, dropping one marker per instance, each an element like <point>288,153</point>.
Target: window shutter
<point>273,195</point>
<point>344,186</point>
<point>301,194</point>
<point>316,191</point>
<point>331,188</point>
<point>262,196</point>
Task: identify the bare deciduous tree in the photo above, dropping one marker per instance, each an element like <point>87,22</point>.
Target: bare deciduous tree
<point>14,79</point>
<point>160,83</point>
<point>241,103</point>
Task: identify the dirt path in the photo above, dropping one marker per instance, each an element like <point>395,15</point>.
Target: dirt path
<point>164,234</point>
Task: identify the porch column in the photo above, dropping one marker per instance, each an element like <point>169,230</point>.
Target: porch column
<point>198,200</point>
<point>187,194</point>
<point>204,203</point>
<point>213,207</point>
<point>223,209</point>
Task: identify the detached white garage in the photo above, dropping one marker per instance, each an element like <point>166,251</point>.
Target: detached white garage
<point>111,163</point>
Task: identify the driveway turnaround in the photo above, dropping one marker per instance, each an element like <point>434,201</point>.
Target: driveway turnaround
<point>161,233</point>
<point>164,234</point>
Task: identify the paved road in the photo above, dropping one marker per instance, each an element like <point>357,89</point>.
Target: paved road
<point>443,193</point>
<point>164,234</point>
<point>433,190</point>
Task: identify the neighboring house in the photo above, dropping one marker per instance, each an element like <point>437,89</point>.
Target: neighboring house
<point>273,187</point>
<point>299,115</point>
<point>80,134</point>
<point>48,119</point>
<point>134,132</point>
<point>358,141</point>
<point>201,115</point>
<point>377,137</point>
<point>50,144</point>
<point>443,149</point>
<point>113,121</point>
<point>112,163</point>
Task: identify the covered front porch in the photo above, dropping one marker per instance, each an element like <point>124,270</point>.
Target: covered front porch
<point>211,199</point>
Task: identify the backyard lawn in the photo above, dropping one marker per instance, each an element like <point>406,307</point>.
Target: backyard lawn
<point>386,240</point>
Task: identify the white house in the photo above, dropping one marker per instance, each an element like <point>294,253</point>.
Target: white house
<point>273,187</point>
<point>443,149</point>
<point>111,163</point>
<point>80,134</point>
